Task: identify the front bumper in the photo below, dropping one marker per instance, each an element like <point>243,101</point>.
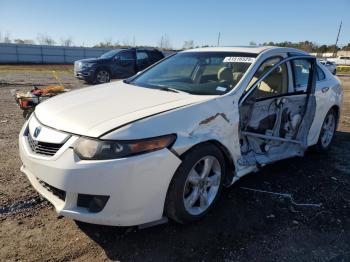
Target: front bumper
<point>136,186</point>
<point>84,74</point>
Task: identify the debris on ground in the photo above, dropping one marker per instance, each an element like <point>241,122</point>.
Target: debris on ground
<point>284,195</point>
<point>27,101</point>
<point>295,222</point>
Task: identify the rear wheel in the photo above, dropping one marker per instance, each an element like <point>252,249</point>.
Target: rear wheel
<point>196,184</point>
<point>102,76</point>
<point>327,131</point>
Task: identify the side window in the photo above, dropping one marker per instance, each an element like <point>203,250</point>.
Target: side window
<point>155,56</point>
<point>301,69</point>
<point>320,74</point>
<point>126,56</point>
<point>141,56</point>
<point>275,84</point>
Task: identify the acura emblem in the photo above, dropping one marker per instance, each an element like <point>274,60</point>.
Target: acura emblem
<point>37,131</point>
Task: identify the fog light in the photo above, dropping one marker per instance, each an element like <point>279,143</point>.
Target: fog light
<point>93,203</point>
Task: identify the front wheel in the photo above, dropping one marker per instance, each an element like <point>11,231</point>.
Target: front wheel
<point>327,131</point>
<point>102,76</point>
<point>196,184</point>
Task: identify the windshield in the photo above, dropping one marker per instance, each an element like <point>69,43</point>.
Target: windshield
<point>202,73</point>
<point>110,54</point>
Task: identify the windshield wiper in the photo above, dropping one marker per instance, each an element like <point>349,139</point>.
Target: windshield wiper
<point>169,89</point>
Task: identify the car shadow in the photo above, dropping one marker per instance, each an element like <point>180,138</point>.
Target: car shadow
<point>250,225</point>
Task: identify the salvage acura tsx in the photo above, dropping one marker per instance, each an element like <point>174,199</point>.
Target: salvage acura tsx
<point>164,142</point>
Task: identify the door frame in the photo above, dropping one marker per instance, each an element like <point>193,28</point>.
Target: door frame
<point>300,141</point>
<point>311,81</point>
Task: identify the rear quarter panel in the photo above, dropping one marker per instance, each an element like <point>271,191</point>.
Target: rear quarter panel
<point>324,102</point>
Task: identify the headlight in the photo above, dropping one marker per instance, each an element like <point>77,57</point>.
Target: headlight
<point>94,149</point>
<point>86,65</point>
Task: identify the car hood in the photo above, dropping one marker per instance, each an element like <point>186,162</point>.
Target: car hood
<point>93,60</point>
<point>93,111</point>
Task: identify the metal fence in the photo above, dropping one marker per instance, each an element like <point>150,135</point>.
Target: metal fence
<point>45,54</point>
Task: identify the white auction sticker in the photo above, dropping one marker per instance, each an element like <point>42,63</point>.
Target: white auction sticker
<point>221,89</point>
<point>238,59</point>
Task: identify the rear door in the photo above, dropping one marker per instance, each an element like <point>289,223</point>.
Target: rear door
<point>154,56</point>
<point>142,59</point>
<point>277,110</point>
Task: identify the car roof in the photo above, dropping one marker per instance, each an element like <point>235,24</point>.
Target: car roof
<point>245,49</point>
<point>240,49</point>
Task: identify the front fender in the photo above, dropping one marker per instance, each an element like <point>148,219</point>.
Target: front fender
<point>216,119</point>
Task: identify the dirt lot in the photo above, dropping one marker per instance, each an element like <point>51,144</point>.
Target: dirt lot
<point>245,226</point>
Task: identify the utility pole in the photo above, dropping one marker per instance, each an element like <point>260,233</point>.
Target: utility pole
<point>134,41</point>
<point>336,41</point>
<point>218,39</point>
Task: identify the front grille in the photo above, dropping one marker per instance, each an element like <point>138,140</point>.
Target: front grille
<point>43,148</point>
<point>55,191</point>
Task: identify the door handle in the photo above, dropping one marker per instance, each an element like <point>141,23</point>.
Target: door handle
<point>325,89</point>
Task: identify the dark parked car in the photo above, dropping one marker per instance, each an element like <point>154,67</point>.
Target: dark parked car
<point>119,63</point>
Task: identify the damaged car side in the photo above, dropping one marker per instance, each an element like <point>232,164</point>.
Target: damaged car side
<point>164,142</point>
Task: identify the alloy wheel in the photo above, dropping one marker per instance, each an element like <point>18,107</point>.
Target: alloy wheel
<point>202,185</point>
<point>328,129</point>
<point>102,76</point>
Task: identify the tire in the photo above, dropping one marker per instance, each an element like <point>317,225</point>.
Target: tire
<point>102,76</point>
<point>190,197</point>
<point>327,131</point>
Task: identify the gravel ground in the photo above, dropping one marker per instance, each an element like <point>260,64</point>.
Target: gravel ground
<point>245,225</point>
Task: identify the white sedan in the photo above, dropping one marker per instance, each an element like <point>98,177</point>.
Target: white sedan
<point>164,142</point>
<point>331,66</point>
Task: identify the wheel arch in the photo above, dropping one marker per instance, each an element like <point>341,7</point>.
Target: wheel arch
<point>103,67</point>
<point>336,108</point>
<point>230,166</point>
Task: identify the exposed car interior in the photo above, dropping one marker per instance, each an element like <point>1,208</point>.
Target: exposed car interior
<point>272,114</point>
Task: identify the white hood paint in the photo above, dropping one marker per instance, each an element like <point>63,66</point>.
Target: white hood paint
<point>96,110</point>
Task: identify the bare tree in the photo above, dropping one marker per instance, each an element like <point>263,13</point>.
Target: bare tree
<point>107,43</point>
<point>164,43</point>
<point>67,41</point>
<point>7,38</point>
<point>126,43</point>
<point>45,39</point>
<point>188,44</point>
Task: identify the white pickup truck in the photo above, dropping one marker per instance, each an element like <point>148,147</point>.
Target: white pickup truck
<point>340,60</point>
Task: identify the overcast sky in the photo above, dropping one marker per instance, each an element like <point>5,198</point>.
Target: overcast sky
<point>239,22</point>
